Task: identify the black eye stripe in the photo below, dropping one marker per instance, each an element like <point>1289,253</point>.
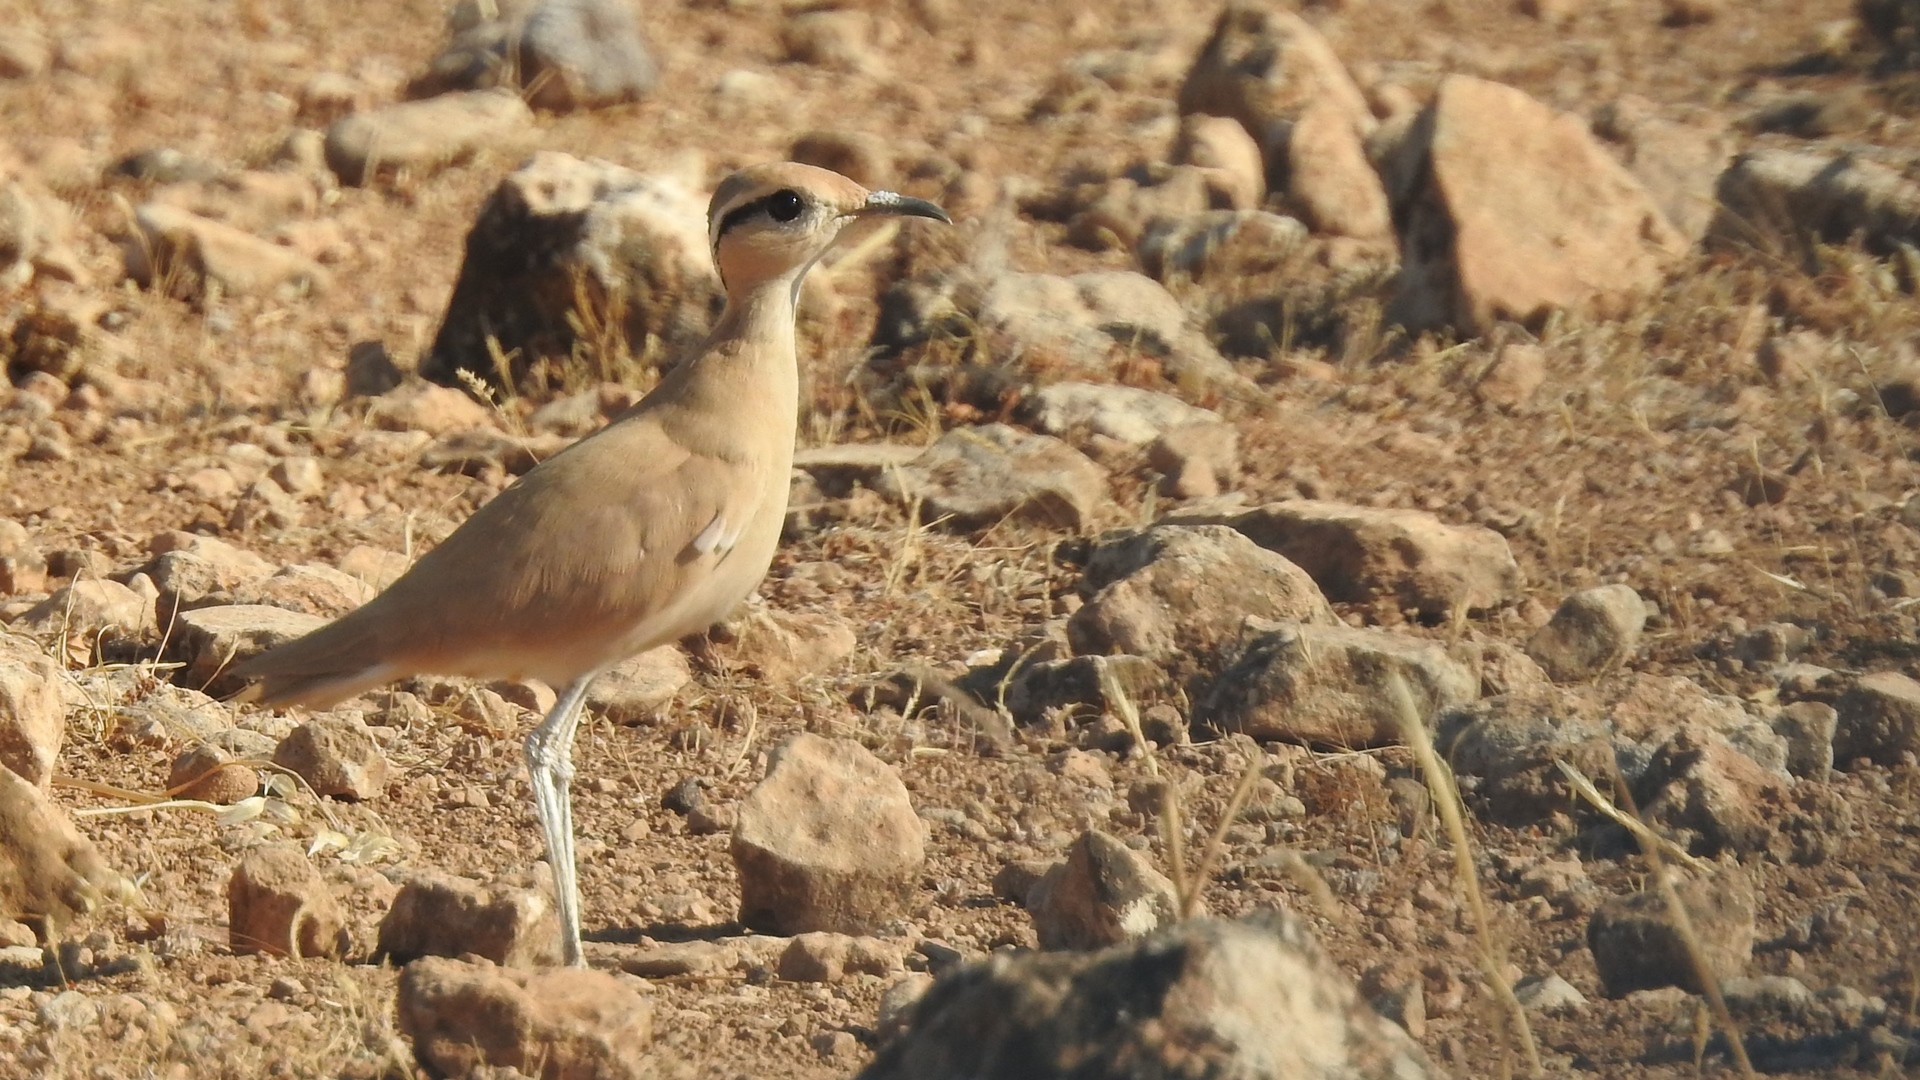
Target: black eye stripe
<point>761,205</point>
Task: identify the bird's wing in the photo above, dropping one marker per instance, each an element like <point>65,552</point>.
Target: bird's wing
<point>591,543</point>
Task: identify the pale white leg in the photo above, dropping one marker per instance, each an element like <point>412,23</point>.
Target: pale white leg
<point>550,771</point>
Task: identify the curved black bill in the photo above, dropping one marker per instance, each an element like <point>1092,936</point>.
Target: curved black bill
<point>887,202</point>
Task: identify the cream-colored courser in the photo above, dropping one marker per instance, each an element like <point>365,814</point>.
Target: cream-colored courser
<point>651,529</point>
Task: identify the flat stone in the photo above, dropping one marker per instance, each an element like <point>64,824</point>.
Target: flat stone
<point>33,714</point>
<point>974,478</point>
<point>1333,686</point>
<point>422,135</point>
<point>1636,945</point>
<point>1257,998</point>
<point>466,1018</point>
<point>1878,718</point>
<point>636,689</point>
<point>1593,630</point>
<point>212,640</point>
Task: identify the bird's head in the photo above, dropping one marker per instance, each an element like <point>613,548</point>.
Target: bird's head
<point>771,222</point>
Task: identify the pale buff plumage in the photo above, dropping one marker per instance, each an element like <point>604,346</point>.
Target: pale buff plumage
<point>653,528</point>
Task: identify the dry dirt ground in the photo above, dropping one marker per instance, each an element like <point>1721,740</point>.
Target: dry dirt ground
<point>1629,453</point>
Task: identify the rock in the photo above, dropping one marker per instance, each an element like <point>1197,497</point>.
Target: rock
<point>1180,596</point>
<point>1262,65</point>
<point>210,774</point>
<point>975,478</point>
<point>195,572</point>
<point>1081,318</point>
<point>436,410</point>
<point>828,840</point>
<point>278,904</point>
<point>634,690</point>
<point>192,257</point>
<point>36,242</point>
<point>1678,161</point>
<point>1593,630</point>
<point>897,1003</point>
<point>1079,683</point>
<point>1698,785</point>
<point>212,640</point>
<point>1222,144</point>
<point>468,1019</point>
<point>1809,728</point>
<point>1255,999</point>
<point>1516,374</point>
<point>336,756</point>
<point>821,957</point>
<point>1105,893</point>
<point>1331,686</point>
<point>24,53</point>
<point>1359,554</point>
<point>1123,413</point>
<point>1878,718</point>
<point>1636,945</point>
<point>310,588</point>
<point>50,874</point>
<point>1512,742</point>
<point>1217,243</point>
<point>421,136</point>
<point>33,714</point>
<point>1516,212</point>
<point>1770,193</point>
<point>1015,881</point>
<point>781,648</point>
<point>864,159</point>
<point>559,233</point>
<point>836,39</point>
<point>22,568</point>
<point>510,922</point>
<point>1549,993</point>
<point>1328,181</point>
<point>90,612</point>
<point>1196,461</point>
<point>564,54</point>
<point>679,959</point>
<point>252,201</point>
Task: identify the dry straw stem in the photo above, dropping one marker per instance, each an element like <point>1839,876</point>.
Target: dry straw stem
<point>1657,848</point>
<point>1446,800</point>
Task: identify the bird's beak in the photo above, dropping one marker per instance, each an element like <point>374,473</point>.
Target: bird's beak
<point>887,202</point>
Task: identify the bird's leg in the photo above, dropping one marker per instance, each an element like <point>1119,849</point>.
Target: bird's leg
<point>550,771</point>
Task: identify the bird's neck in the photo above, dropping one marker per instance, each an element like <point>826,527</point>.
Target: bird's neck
<point>749,365</point>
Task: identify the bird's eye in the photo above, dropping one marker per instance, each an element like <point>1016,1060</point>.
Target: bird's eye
<point>783,205</point>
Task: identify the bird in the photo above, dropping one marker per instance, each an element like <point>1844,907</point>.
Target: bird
<point>649,530</point>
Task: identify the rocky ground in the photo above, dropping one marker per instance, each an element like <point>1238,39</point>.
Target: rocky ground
<point>1531,380</point>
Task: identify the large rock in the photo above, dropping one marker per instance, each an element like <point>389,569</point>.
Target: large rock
<point>1180,595</point>
<point>33,714</point>
<point>1593,630</point>
<point>828,840</point>
<point>278,904</point>
<point>973,478</point>
<point>1678,160</point>
<point>565,244</point>
<point>336,756</point>
<point>1515,211</point>
<point>635,689</point>
<point>190,256</point>
<point>1360,554</point>
<point>1124,413</point>
<point>469,1019</point>
<point>1264,65</point>
<point>1332,686</point>
<point>422,135</point>
<point>192,572</point>
<point>90,612</point>
<point>1771,193</point>
<point>1318,159</point>
<point>564,54</point>
<point>1257,1000</point>
<point>1104,893</point>
<point>212,640</point>
<point>1637,945</point>
<point>510,923</point>
<point>50,874</point>
<point>1879,719</point>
